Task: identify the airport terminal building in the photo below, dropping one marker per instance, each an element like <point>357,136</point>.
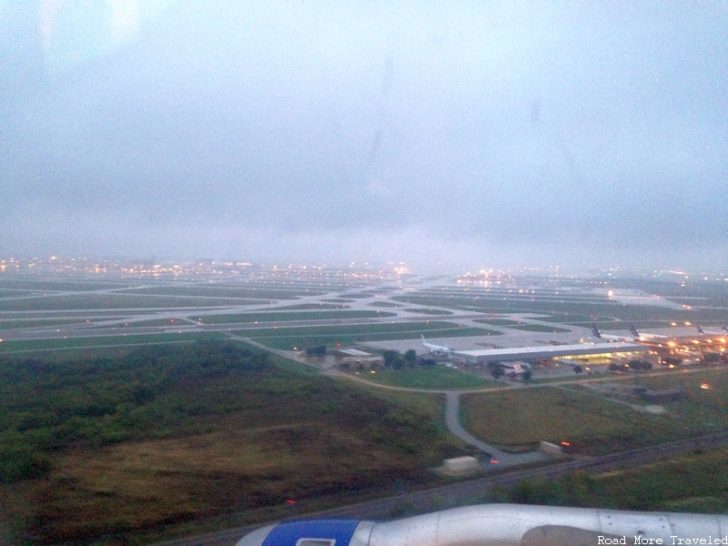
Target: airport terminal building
<point>532,354</point>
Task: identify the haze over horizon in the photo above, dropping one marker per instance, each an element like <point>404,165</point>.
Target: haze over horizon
<point>446,136</point>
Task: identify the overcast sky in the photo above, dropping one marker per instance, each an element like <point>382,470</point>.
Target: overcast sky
<point>444,134</point>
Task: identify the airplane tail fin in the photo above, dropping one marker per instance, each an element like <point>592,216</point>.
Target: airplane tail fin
<point>725,327</point>
<point>423,338</point>
<point>596,331</point>
<point>634,331</point>
<point>700,330</point>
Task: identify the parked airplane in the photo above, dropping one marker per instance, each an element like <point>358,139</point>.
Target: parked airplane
<point>436,350</point>
<point>607,337</point>
<point>642,337</point>
<point>658,338</point>
<point>645,337</point>
<point>713,333</point>
<point>501,525</point>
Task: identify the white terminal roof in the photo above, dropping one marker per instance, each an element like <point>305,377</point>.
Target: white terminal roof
<point>549,351</point>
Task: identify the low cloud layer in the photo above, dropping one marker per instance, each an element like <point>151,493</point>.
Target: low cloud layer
<point>483,133</point>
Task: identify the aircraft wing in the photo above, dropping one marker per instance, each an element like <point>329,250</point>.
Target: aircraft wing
<point>502,525</point>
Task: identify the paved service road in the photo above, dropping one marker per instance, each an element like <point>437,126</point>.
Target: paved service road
<point>452,421</point>
<point>496,456</point>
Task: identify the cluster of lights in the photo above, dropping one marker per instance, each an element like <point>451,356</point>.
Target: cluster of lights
<point>198,269</point>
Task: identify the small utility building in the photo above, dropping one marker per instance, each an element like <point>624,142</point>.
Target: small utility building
<point>356,358</point>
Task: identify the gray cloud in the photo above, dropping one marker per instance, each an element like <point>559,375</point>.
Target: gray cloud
<point>490,132</point>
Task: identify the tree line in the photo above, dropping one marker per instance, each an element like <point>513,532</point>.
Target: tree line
<point>49,406</point>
